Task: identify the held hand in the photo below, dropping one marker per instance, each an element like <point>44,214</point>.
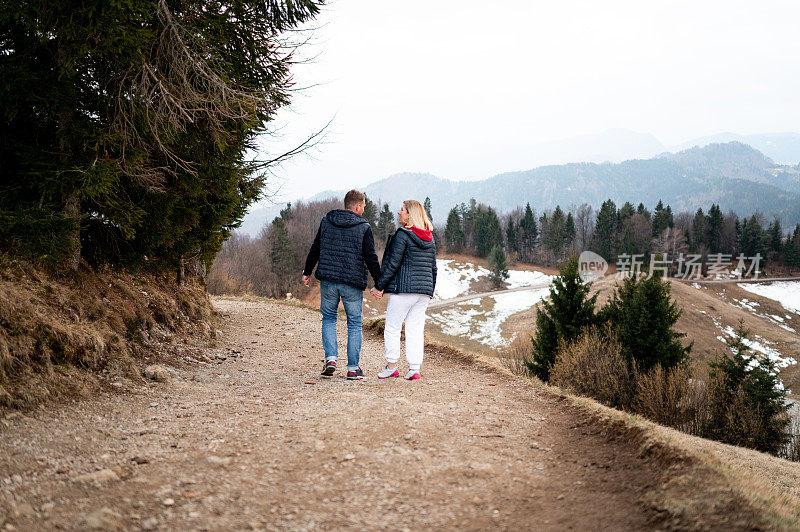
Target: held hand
<point>307,280</point>
<point>378,294</point>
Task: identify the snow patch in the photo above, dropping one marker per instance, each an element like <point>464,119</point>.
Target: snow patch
<point>787,293</point>
<point>520,278</point>
<point>455,278</point>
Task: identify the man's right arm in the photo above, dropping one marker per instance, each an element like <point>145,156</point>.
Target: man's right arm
<point>313,255</point>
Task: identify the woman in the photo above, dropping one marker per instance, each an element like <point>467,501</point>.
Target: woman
<point>408,275</point>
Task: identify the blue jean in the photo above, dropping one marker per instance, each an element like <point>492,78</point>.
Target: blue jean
<point>351,298</point>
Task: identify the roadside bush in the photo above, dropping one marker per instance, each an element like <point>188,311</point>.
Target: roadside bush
<point>514,356</point>
<point>593,365</point>
<point>669,396</point>
<point>747,406</point>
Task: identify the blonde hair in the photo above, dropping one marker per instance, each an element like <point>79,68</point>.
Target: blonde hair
<point>416,215</point>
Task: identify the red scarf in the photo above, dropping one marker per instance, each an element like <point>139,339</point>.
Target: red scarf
<point>424,234</point>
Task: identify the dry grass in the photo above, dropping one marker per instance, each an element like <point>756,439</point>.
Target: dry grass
<point>672,398</point>
<point>58,334</point>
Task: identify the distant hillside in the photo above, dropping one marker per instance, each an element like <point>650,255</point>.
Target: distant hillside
<point>783,148</point>
<point>733,174</point>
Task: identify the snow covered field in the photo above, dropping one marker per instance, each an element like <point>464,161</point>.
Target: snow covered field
<point>787,293</point>
<point>480,319</point>
<point>469,319</point>
<point>454,278</point>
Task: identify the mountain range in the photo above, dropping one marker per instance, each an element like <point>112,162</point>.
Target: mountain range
<point>733,174</point>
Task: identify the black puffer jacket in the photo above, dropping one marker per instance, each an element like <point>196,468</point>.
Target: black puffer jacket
<point>409,265</point>
<point>345,249</point>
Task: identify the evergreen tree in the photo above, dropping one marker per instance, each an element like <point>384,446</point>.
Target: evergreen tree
<point>752,241</point>
<point>560,318</point>
<point>776,236</point>
<point>453,234</point>
<point>626,211</point>
<point>386,225</point>
<point>605,231</point>
<point>469,215</point>
<point>498,266</point>
<point>569,231</point>
<point>792,250</point>
<point>715,220</point>
<point>554,236</point>
<point>749,408</point>
<point>427,206</point>
<point>662,218</point>
<point>643,211</point>
<point>644,316</point>
<point>371,213</point>
<point>511,236</point>
<point>126,125</point>
<point>699,231</point>
<point>529,232</point>
<point>282,257</point>
<point>487,232</point>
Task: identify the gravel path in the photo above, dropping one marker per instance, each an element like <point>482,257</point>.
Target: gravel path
<point>261,441</point>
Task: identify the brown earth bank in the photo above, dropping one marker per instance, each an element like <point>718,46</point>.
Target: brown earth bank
<point>250,436</point>
<point>65,335</point>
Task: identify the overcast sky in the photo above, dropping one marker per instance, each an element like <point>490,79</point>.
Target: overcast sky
<point>449,87</point>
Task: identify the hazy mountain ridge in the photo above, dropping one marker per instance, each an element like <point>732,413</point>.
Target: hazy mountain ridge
<point>783,148</point>
<point>735,175</point>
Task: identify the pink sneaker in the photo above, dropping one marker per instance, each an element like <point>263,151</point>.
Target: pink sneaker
<point>388,373</point>
<point>413,375</point>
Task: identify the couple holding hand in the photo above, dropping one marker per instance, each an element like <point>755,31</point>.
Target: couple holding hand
<point>343,251</point>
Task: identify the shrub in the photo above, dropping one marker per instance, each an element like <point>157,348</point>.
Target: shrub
<point>748,407</point>
<point>669,396</point>
<point>593,365</point>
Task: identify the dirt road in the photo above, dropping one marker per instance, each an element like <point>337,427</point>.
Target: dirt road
<point>261,441</point>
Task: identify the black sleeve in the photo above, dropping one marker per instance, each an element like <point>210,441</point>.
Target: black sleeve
<point>370,257</point>
<point>313,254</point>
<point>392,259</point>
<point>435,269</point>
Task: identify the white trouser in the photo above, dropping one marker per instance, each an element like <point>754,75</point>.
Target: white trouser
<point>411,309</point>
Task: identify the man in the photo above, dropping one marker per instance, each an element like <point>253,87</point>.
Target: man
<point>343,250</point>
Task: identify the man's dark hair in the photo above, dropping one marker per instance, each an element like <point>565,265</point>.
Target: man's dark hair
<point>353,198</point>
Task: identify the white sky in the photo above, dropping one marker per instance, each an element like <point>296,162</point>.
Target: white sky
<point>448,87</point>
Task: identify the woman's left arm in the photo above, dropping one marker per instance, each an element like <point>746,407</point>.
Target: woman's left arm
<point>392,259</point>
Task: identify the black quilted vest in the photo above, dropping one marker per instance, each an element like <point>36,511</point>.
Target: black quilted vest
<point>340,255</point>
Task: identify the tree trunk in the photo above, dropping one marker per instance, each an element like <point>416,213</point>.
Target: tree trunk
<point>72,209</point>
<point>181,272</point>
<point>72,203</point>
